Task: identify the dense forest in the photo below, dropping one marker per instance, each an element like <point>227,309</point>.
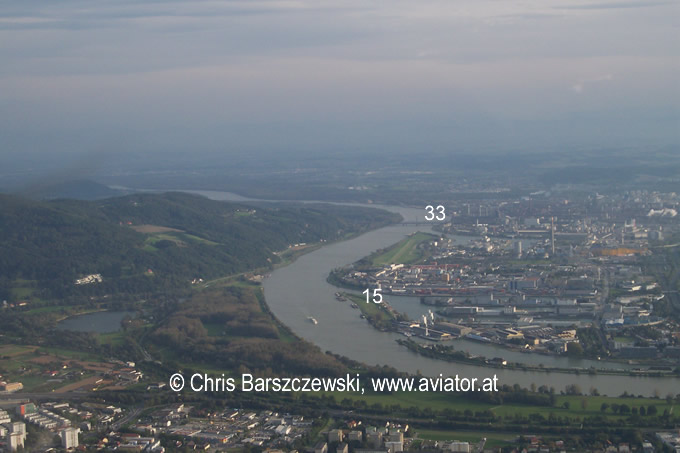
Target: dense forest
<point>243,336</point>
<point>144,242</point>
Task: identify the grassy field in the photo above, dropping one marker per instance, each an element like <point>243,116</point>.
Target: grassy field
<point>113,338</point>
<point>440,401</point>
<point>199,239</point>
<point>49,309</point>
<point>23,289</point>
<point>169,354</point>
<point>69,354</point>
<point>289,255</point>
<point>20,292</point>
<point>215,329</point>
<point>370,309</point>
<point>180,239</point>
<point>403,252</point>
<point>28,364</point>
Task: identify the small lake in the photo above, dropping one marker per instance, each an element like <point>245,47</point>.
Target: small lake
<point>99,322</point>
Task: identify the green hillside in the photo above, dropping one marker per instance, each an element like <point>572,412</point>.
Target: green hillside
<point>146,242</point>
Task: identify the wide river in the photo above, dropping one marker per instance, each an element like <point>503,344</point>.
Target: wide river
<point>300,290</point>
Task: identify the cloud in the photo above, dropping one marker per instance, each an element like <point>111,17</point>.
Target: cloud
<point>24,20</point>
<point>122,67</point>
<point>617,5</point>
<point>580,85</point>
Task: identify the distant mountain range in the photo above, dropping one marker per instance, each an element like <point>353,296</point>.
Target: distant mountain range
<point>80,189</point>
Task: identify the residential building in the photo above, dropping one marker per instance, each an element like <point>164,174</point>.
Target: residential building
<point>321,447</point>
<point>69,437</point>
<point>374,438</point>
<point>394,447</point>
<point>355,436</point>
<point>16,437</point>
<point>15,440</point>
<point>10,387</point>
<point>335,435</point>
<point>25,409</point>
<point>459,447</point>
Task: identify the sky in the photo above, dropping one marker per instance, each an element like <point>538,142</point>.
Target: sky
<point>236,76</point>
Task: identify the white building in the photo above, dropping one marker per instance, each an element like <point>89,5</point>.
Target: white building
<point>69,437</point>
<point>17,427</point>
<point>457,446</point>
<point>16,435</point>
<point>15,440</point>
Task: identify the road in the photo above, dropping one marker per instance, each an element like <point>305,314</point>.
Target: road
<point>53,396</point>
<point>130,416</point>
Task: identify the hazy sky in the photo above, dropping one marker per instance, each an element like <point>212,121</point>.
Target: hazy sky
<point>232,75</point>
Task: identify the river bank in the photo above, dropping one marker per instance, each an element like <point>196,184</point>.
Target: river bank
<point>299,290</point>
<point>448,354</point>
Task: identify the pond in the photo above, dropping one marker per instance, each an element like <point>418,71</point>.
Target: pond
<point>98,322</point>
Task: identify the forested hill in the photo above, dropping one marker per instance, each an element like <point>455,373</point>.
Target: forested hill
<point>144,242</point>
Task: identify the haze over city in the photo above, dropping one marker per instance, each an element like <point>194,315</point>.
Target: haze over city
<point>202,76</point>
<point>284,226</point>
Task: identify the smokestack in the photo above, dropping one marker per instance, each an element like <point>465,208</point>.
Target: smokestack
<point>552,234</point>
